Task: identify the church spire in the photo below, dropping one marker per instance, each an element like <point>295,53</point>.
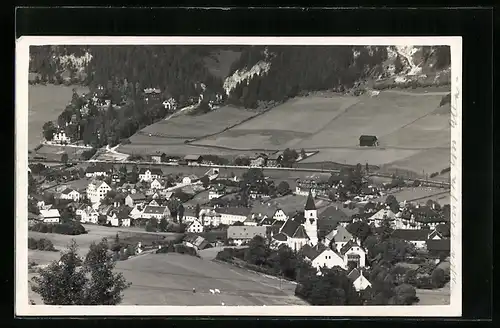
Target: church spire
<point>310,206</point>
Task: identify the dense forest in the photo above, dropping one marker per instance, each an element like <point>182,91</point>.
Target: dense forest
<point>181,73</point>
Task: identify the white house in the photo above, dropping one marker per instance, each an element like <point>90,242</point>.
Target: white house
<point>70,194</point>
<point>88,215</point>
<point>417,238</point>
<point>280,215</point>
<point>195,227</point>
<point>156,212</point>
<point>50,216</point>
<point>190,179</point>
<point>359,281</point>
<point>136,211</point>
<point>156,185</point>
<point>60,137</point>
<point>322,257</point>
<point>209,217</point>
<point>216,191</point>
<point>353,252</point>
<point>97,190</point>
<point>150,174</point>
<point>230,215</point>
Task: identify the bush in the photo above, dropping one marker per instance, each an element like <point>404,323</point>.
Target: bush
<point>448,169</point>
<point>41,244</point>
<point>435,174</point>
<point>224,255</point>
<point>438,278</point>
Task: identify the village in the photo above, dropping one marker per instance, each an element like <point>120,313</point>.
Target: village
<point>325,217</point>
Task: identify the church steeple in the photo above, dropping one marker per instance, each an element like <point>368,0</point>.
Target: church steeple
<point>310,205</point>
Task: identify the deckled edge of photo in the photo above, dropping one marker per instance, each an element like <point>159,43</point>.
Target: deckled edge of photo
<point>22,306</point>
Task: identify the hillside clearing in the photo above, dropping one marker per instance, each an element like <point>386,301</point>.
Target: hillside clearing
<point>45,103</point>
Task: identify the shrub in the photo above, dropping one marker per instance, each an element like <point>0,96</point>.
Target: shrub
<point>224,255</point>
<point>434,174</point>
<point>448,169</point>
<point>438,278</point>
<point>41,244</point>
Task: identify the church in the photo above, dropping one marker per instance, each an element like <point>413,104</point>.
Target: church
<point>301,229</point>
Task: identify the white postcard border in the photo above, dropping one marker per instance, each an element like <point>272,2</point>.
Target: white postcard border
<point>22,306</point>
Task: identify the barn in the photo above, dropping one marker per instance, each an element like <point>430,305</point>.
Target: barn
<point>369,141</point>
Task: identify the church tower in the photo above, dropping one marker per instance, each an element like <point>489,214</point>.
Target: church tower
<point>311,219</point>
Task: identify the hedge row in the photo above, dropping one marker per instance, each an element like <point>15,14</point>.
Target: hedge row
<point>41,244</point>
<point>69,228</point>
<point>178,248</point>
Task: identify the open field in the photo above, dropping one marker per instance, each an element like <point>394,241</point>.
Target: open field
<point>180,150</point>
<point>434,297</point>
<point>46,102</point>
<point>168,279</point>
<point>424,193</point>
<point>54,152</point>
<point>413,131</point>
<point>291,203</point>
<point>194,126</point>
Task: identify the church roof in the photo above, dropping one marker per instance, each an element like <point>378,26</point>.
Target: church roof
<point>280,237</point>
<point>310,205</point>
<point>342,235</point>
<point>300,233</point>
<point>290,227</point>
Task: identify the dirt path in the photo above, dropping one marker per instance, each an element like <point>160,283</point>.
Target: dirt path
<point>417,94</point>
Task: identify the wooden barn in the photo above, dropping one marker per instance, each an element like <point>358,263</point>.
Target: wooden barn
<point>369,141</point>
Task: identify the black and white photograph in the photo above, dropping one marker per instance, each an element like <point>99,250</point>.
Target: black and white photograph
<point>235,176</point>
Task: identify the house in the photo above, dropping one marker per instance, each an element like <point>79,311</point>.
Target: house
<point>426,216</point>
<point>32,219</point>
<point>317,184</point>
<point>258,161</point>
<point>250,221</point>
<point>155,212</point>
<point>260,212</point>
<point>436,234</point>
<point>197,242</point>
<point>193,159</point>
<point>123,217</point>
<point>133,199</point>
<point>156,157</point>
<point>88,215</point>
<point>334,214</point>
<point>210,217</point>
<point>216,191</point>
<point>60,137</point>
<point>359,281</point>
<point>70,194</point>
<point>98,171</point>
<point>156,185</point>
<point>417,238</point>
<point>136,211</point>
<point>242,234</point>
<point>195,227</point>
<point>150,174</point>
<point>40,201</point>
<point>190,215</point>
<point>369,141</point>
<point>321,256</point>
<point>190,179</point>
<point>382,215</point>
<point>340,238</point>
<point>50,216</point>
<point>97,191</point>
<point>354,255</point>
<point>274,160</point>
<point>230,215</point>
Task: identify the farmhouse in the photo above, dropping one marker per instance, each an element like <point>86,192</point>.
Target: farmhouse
<point>250,221</point>
<point>382,215</point>
<point>274,160</point>
<point>339,238</point>
<point>97,190</point>
<point>210,218</point>
<point>359,280</point>
<point>438,247</point>
<point>416,237</point>
<point>243,234</point>
<point>193,159</point>
<point>369,141</point>
<point>70,194</point>
<point>230,215</point>
<point>156,185</point>
<point>150,174</point>
<point>334,214</point>
<point>50,216</point>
